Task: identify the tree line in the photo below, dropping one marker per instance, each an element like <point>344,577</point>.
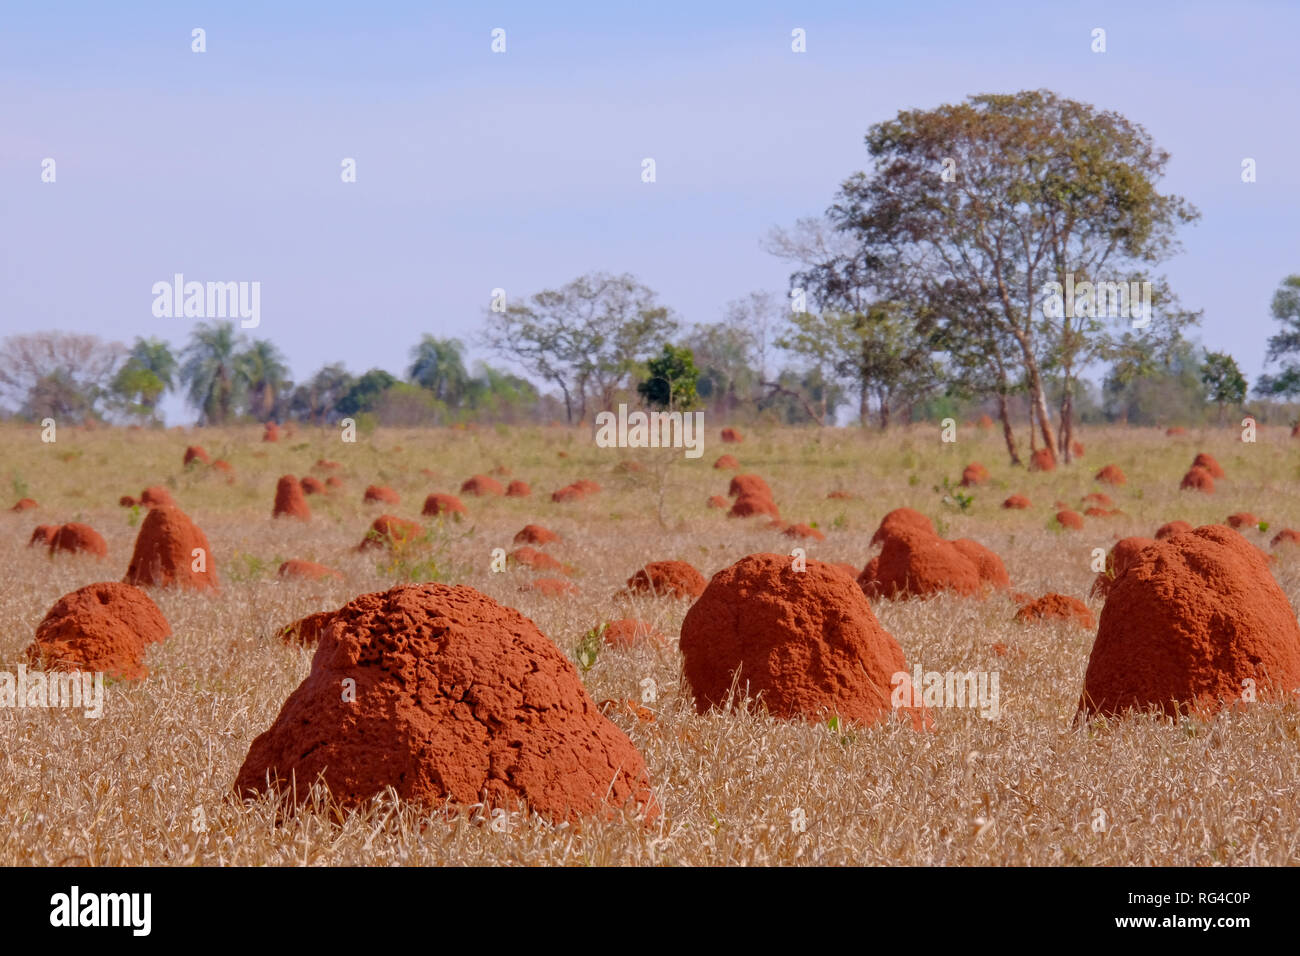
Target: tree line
<point>947,277</point>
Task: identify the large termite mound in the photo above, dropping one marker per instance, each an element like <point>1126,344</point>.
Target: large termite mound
<point>77,538</point>
<point>1196,622</point>
<point>102,628</point>
<point>457,698</point>
<point>290,502</point>
<point>676,579</point>
<point>805,643</point>
<point>171,550</point>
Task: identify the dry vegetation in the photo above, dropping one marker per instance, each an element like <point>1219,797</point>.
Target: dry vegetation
<point>1023,789</point>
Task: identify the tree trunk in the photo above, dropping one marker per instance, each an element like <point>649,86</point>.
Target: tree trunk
<point>884,412</point>
<point>864,405</point>
<point>1067,419</point>
<point>1004,413</point>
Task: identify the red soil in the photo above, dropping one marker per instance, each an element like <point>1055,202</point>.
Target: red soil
<point>630,632</point>
<point>43,534</point>
<point>668,578</point>
<point>1171,528</point>
<point>727,462</point>
<point>1194,621</point>
<point>126,501</point>
<point>916,563</point>
<point>1197,479</point>
<point>535,534</point>
<point>24,504</point>
<point>1175,430</point>
<point>805,644</point>
<point>1019,502</point>
<point>164,554</point>
<point>899,519</point>
<point>501,715</point>
<point>156,496</point>
<point>1070,520</point>
<point>1098,498</point>
<point>1209,464</point>
<point>746,506</point>
<point>1042,459</point>
<point>1111,475</point>
<point>717,501</point>
<point>1242,519</point>
<point>974,474</point>
<point>1286,536</point>
<point>552,587</point>
<point>440,504</point>
<point>536,560</point>
<point>1053,606</point>
<point>518,489</point>
<point>196,453</point>
<point>271,432</point>
<point>732,436</point>
<point>289,500</point>
<point>482,486</point>
<point>748,485</point>
<point>102,627</point>
<point>307,571</point>
<point>78,539</point>
<point>311,485</point>
<point>382,494</point>
<point>803,531</point>
<point>1123,554</point>
<point>840,496</point>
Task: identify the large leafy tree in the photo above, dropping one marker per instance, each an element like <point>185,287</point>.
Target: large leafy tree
<point>1223,381</point>
<point>1284,347</point>
<point>439,365</point>
<point>1038,188</point>
<point>210,372</point>
<point>584,338</point>
<point>365,392</point>
<point>149,371</point>
<point>317,399</point>
<point>263,377</point>
<point>670,379</point>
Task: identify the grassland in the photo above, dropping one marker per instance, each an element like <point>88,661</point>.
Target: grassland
<point>130,787</point>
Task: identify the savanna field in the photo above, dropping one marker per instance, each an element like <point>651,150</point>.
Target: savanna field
<point>151,782</point>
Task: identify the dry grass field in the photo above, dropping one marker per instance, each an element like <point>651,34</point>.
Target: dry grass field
<point>150,781</point>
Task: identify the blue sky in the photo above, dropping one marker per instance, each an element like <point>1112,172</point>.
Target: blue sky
<point>522,170</point>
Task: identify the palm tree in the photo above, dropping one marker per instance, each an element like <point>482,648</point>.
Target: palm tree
<point>439,365</point>
<point>261,370</point>
<point>209,372</point>
<point>149,370</point>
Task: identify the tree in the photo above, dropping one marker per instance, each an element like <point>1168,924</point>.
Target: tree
<point>726,354</point>
<point>365,392</point>
<point>263,375</point>
<point>1286,309</point>
<point>671,379</point>
<point>1223,381</point>
<point>584,338</point>
<point>439,365</point>
<point>318,398</point>
<point>209,372</point>
<point>992,199</point>
<point>500,394</point>
<point>149,371</point>
<point>59,374</point>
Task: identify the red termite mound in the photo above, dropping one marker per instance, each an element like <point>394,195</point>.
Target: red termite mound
<point>726,463</point>
<point>746,506</point>
<point>676,579</point>
<point>172,550</point>
<point>323,464</point>
<point>24,504</point>
<point>1209,464</point>
<point>1171,528</point>
<point>1242,519</point>
<point>42,534</point>
<point>396,534</point>
<point>840,495</point>
<point>974,474</point>
<point>1122,556</point>
<point>806,644</point>
<point>501,715</point>
<point>1076,449</point>
<point>1070,520</point>
<point>77,538</point>
<point>575,492</point>
<point>1195,622</point>
<point>102,627</point>
<point>1053,606</point>
<point>226,469</point>
<point>481,486</point>
<point>552,587</point>
<point>917,563</point>
<point>1019,502</point>
<point>382,494</point>
<point>156,496</point>
<point>271,432</point>
<point>440,504</point>
<point>1286,536</point>
<point>1197,479</point>
<point>535,534</point>
<point>1101,499</point>
<point>717,501</point>
<point>290,502</point>
<point>803,531</point>
<point>1042,459</point>
<point>898,519</point>
<point>307,571</point>
<point>992,572</point>
<point>126,501</point>
<point>536,560</point>
<point>748,485</point>
<point>196,453</point>
<point>630,632</point>
<point>311,485</point>
<point>1175,431</point>
<point>1111,475</point>
<point>985,422</point>
<point>518,489</point>
<point>732,436</point>
<point>334,481</point>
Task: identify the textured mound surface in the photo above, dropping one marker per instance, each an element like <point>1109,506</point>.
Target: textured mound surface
<point>1196,621</point>
<point>290,502</point>
<point>1122,555</point>
<point>459,699</point>
<point>481,486</point>
<point>805,643</point>
<point>382,494</point>
<point>1070,520</point>
<point>76,538</point>
<point>102,627</point>
<point>171,550</point>
<point>1171,528</point>
<point>898,519</point>
<point>916,563</point>
<point>1197,479</point>
<point>1209,463</point>
<point>155,496</point>
<point>668,578</point>
<point>440,504</point>
<point>1053,606</point>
